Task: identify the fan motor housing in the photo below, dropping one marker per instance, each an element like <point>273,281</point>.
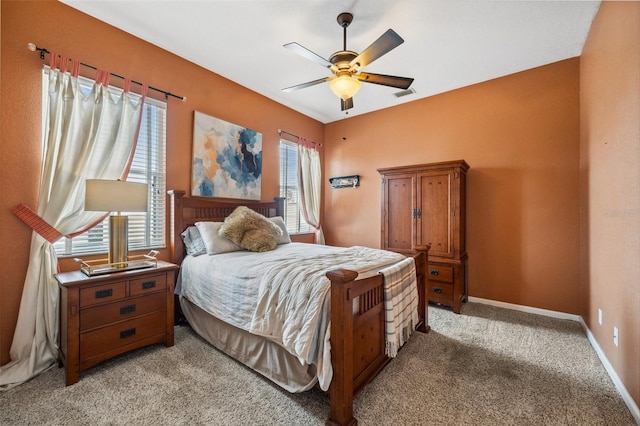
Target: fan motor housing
<point>342,59</point>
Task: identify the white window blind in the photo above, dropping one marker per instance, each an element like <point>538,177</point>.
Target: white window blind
<point>146,229</point>
<point>293,218</point>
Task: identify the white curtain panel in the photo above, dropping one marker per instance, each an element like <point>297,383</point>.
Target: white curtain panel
<point>309,182</point>
<point>87,136</point>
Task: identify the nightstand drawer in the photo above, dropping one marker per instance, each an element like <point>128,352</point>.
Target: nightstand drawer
<point>108,338</point>
<point>102,293</point>
<point>118,311</point>
<point>147,285</point>
<point>440,273</point>
<point>439,291</point>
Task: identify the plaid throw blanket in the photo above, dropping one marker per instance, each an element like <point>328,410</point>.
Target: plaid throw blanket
<point>400,304</point>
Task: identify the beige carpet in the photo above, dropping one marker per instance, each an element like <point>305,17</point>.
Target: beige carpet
<point>488,366</point>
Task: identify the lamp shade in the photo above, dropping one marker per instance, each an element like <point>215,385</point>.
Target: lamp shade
<point>115,196</point>
<point>345,86</point>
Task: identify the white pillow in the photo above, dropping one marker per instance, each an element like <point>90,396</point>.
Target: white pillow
<point>284,238</point>
<point>215,243</point>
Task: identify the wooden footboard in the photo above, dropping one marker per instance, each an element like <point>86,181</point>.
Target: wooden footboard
<point>358,334</point>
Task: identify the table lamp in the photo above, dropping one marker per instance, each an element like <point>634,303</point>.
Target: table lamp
<point>116,196</point>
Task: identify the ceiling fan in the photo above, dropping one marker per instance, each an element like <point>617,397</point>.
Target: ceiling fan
<point>346,65</point>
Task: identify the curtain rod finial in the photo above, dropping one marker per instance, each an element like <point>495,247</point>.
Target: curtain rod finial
<point>32,47</point>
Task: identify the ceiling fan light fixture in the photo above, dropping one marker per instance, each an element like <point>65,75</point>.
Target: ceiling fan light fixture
<point>345,86</point>
<point>346,64</point>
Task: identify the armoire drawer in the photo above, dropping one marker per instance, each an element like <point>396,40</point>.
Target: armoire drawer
<point>440,273</point>
<point>119,311</point>
<point>439,291</point>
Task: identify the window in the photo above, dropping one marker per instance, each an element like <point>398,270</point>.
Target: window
<point>293,217</point>
<point>146,229</point>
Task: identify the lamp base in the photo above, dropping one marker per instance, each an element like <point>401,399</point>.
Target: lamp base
<point>118,240</point>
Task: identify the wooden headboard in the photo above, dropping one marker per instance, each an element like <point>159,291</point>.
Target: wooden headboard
<point>186,211</point>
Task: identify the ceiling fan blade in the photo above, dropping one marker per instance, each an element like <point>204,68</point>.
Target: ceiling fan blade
<point>384,44</point>
<point>307,84</point>
<point>385,80</point>
<point>346,104</point>
<point>303,51</point>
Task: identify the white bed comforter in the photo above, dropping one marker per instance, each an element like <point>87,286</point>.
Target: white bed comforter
<point>292,294</point>
<point>280,294</point>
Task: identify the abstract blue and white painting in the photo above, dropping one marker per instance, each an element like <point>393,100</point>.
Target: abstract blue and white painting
<point>227,159</point>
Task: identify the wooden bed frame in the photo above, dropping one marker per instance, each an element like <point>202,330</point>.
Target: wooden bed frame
<point>357,339</point>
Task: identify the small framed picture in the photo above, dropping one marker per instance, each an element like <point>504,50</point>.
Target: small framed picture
<point>345,181</point>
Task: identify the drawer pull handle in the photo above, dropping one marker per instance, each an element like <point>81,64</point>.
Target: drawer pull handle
<point>127,333</point>
<point>437,290</point>
<point>127,309</point>
<point>148,284</point>
<point>434,272</point>
<point>104,293</point>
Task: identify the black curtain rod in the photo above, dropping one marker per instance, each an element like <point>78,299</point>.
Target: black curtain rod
<point>44,51</point>
<point>280,132</point>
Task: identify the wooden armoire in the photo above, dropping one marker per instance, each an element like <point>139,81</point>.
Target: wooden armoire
<point>425,205</point>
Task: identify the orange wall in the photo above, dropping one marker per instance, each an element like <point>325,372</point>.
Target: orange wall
<point>610,185</point>
<point>520,136</point>
<point>539,153</point>
<point>62,29</point>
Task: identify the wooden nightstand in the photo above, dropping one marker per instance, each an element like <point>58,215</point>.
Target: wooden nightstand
<point>107,315</point>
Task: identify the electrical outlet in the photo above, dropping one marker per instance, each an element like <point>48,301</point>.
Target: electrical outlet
<point>616,336</point>
<point>599,316</point>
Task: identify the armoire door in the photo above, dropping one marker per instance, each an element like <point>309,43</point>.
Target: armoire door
<point>435,224</point>
<point>398,212</point>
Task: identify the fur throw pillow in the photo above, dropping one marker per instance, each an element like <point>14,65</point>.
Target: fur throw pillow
<point>250,230</point>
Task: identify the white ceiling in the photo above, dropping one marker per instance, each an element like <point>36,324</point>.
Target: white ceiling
<point>448,43</point>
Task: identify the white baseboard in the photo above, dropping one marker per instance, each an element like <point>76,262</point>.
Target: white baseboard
<point>635,411</point>
<point>633,407</point>
<point>522,308</point>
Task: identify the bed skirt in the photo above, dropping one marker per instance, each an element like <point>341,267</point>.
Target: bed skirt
<point>264,356</point>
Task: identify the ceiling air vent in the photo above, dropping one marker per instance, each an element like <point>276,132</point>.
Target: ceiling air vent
<point>404,93</point>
